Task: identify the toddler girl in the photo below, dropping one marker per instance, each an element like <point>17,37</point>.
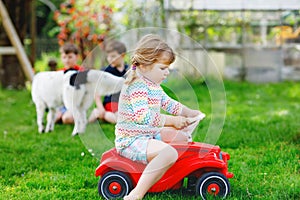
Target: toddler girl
<point>142,132</point>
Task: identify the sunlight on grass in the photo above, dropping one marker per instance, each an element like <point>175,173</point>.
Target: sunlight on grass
<point>280,113</point>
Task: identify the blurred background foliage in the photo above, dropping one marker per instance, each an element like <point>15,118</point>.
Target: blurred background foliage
<point>88,23</point>
<point>93,20</point>
<point>108,17</point>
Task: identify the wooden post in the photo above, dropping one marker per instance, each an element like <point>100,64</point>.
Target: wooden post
<point>33,31</point>
<point>15,40</point>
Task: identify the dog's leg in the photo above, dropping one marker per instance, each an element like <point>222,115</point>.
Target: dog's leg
<point>75,113</point>
<point>86,103</point>
<point>50,120</point>
<point>40,110</point>
<point>73,100</point>
<point>80,121</point>
<point>83,122</point>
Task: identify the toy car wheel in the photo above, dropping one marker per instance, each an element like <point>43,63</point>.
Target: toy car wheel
<point>114,184</point>
<point>214,184</point>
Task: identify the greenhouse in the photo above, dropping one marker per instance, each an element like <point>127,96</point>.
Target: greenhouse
<point>249,40</point>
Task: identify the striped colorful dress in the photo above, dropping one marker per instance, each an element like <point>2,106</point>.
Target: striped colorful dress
<point>139,111</point>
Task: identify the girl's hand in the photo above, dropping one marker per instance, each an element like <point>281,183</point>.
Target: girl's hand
<point>180,122</point>
<point>198,117</point>
<point>187,112</point>
<point>195,113</point>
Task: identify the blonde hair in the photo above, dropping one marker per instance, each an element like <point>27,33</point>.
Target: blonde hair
<point>148,51</point>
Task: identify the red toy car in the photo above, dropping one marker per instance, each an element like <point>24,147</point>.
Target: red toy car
<point>204,165</point>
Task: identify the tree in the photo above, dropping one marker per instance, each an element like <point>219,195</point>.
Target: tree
<point>11,74</point>
<point>84,23</point>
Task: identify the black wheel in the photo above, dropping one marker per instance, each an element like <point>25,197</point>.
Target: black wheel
<point>214,184</point>
<point>114,185</point>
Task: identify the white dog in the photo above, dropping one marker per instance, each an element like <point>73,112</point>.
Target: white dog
<point>80,88</point>
<point>46,92</point>
<point>75,90</point>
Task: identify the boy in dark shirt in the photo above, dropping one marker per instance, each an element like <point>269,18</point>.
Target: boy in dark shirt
<point>107,110</point>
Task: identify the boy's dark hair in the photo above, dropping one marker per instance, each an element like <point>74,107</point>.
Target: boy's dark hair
<point>115,46</point>
<point>69,48</point>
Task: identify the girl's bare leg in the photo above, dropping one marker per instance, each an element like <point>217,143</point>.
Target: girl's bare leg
<point>161,157</point>
<point>172,135</point>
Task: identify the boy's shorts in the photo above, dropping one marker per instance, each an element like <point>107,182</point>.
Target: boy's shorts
<point>137,150</point>
<point>63,109</point>
<point>111,107</point>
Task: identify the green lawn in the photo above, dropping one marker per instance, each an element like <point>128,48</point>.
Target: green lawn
<point>261,133</point>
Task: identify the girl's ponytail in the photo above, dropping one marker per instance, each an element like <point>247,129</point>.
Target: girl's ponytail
<point>132,75</point>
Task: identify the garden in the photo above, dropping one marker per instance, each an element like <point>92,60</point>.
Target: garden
<point>259,126</point>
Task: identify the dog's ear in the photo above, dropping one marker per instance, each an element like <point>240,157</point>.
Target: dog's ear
<point>78,78</point>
